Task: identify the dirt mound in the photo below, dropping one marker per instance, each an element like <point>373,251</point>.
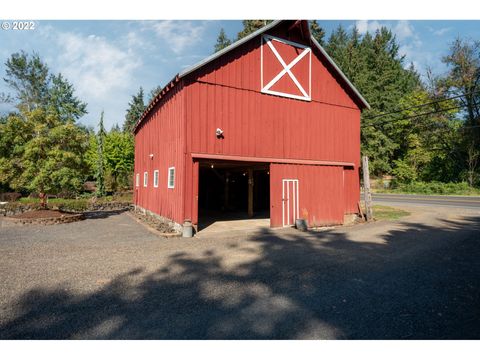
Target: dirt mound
<point>40,214</point>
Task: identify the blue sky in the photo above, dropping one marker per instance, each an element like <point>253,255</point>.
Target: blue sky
<point>107,61</point>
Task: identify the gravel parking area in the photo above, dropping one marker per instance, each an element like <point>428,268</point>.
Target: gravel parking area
<point>109,277</point>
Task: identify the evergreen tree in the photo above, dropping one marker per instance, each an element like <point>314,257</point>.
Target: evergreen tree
<point>250,26</point>
<point>62,100</point>
<point>153,93</point>
<point>33,87</point>
<point>317,32</point>
<point>373,64</point>
<point>135,110</point>
<point>222,41</point>
<point>100,175</point>
<point>91,155</point>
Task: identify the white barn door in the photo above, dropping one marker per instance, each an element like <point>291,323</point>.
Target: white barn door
<point>289,201</point>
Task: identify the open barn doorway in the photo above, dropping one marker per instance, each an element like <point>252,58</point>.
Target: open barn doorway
<point>233,194</point>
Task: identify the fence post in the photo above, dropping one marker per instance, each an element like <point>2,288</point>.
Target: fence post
<point>366,189</point>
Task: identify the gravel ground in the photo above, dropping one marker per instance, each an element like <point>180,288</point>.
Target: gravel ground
<point>108,277</point>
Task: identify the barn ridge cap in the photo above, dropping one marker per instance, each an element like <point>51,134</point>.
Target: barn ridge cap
<point>233,46</point>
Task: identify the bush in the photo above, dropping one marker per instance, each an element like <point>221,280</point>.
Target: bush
<point>435,187</point>
<point>403,172</point>
<point>10,196</point>
<point>82,203</point>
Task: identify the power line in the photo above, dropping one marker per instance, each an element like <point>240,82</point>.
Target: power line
<point>421,105</point>
<point>414,116</point>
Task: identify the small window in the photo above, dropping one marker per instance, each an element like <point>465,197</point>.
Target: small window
<point>137,180</point>
<point>171,177</point>
<point>145,179</point>
<point>155,178</point>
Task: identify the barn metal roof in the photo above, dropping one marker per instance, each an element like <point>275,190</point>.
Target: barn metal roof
<point>229,48</point>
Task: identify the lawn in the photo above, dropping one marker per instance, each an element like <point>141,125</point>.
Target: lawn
<point>382,212</point>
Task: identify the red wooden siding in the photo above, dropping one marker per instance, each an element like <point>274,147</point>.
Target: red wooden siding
<point>321,193</point>
<point>352,189</point>
<point>226,93</point>
<point>240,69</point>
<point>162,135</point>
<point>264,125</point>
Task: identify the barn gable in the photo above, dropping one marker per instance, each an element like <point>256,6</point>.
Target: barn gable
<point>256,57</point>
<point>256,60</point>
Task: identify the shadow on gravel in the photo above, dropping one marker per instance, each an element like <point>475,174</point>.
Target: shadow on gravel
<point>102,214</point>
<point>421,283</point>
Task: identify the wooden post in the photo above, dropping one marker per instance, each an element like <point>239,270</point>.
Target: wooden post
<point>226,199</point>
<point>250,192</point>
<point>366,189</point>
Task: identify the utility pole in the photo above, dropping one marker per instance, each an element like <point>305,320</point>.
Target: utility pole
<point>366,189</point>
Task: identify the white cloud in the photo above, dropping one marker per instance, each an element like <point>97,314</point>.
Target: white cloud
<point>364,26</point>
<point>96,67</point>
<point>442,31</point>
<point>178,35</point>
<point>409,40</point>
<point>102,72</point>
<point>403,29</point>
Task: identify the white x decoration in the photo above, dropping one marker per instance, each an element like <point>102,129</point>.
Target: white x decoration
<point>286,68</point>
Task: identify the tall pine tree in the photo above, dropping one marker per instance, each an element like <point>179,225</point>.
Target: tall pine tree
<point>100,174</point>
<point>377,69</point>
<point>135,110</point>
<point>249,26</point>
<point>317,32</point>
<point>222,41</point>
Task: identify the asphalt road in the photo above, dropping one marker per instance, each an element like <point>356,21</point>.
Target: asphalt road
<point>466,202</point>
<point>108,277</point>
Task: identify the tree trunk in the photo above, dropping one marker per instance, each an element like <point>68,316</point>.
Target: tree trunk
<point>43,198</point>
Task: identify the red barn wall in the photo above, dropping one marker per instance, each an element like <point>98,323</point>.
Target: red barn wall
<point>256,124</point>
<point>262,125</point>
<point>162,134</point>
<point>227,94</point>
<point>321,193</point>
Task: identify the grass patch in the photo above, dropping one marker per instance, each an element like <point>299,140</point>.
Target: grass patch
<point>382,212</point>
<point>432,188</point>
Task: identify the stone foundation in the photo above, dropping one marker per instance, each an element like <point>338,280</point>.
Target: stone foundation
<point>176,226</point>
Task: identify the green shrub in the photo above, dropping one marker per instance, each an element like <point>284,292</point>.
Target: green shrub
<point>435,187</point>
<point>404,172</point>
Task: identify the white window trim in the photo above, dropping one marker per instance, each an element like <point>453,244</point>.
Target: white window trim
<point>265,88</point>
<point>156,174</point>
<point>168,180</point>
<point>137,180</point>
<point>145,179</point>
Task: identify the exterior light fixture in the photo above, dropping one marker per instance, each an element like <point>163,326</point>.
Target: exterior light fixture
<point>151,156</point>
<point>219,133</point>
<point>211,166</point>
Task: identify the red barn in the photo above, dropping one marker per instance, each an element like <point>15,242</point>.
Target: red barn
<point>267,126</point>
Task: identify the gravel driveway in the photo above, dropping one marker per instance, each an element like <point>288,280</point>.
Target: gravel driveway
<point>108,277</point>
